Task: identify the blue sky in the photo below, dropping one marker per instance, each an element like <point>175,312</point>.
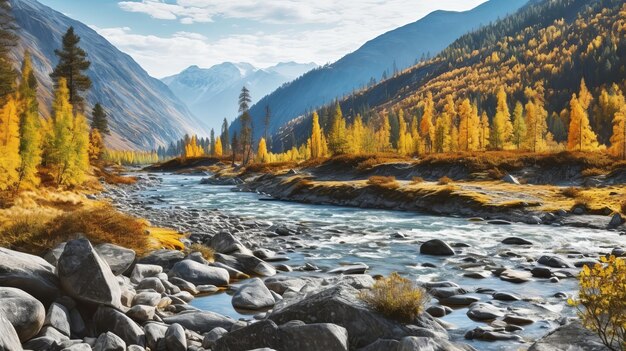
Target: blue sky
<point>166,36</point>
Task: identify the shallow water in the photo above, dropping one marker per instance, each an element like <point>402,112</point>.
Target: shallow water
<point>342,235</point>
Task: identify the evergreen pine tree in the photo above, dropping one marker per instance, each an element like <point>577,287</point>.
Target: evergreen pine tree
<point>72,64</point>
<point>99,120</point>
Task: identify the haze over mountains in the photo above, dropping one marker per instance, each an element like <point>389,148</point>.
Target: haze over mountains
<point>143,112</point>
<point>402,46</point>
<point>211,93</point>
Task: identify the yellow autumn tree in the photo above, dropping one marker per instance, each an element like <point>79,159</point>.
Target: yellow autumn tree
<point>468,126</point>
<point>405,141</point>
<point>418,146</point>
<point>537,134</point>
<point>338,135</point>
<point>30,127</point>
<point>262,156</point>
<point>9,144</point>
<point>502,127</point>
<point>451,141</point>
<point>483,132</point>
<point>192,148</point>
<point>96,145</point>
<point>580,136</point>
<point>316,138</point>
<point>618,139</point>
<point>383,135</point>
<point>427,130</point>
<point>356,136</point>
<point>218,148</point>
<point>519,125</point>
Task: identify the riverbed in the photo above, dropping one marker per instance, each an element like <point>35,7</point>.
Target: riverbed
<point>389,241</point>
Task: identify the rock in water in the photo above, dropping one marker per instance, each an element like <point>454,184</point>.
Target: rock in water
<point>87,277</point>
<point>516,241</point>
<point>120,259</point>
<point>29,273</point>
<point>200,321</point>
<point>253,295</point>
<point>224,242</point>
<point>200,274</point>
<point>436,247</point>
<point>8,336</point>
<point>23,311</point>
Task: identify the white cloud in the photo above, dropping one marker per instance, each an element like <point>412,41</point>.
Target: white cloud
<point>302,30</point>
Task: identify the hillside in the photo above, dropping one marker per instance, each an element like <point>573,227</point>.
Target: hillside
<point>211,93</point>
<point>556,43</point>
<point>143,111</point>
<point>403,46</point>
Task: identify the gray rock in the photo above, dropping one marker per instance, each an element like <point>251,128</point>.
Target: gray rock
<point>39,343</point>
<point>52,256</point>
<point>154,332</point>
<point>141,313</point>
<point>77,324</point>
<point>210,338</point>
<point>234,273</point>
<point>253,295</point>
<point>313,337</point>
<point>153,283</point>
<point>9,340</point>
<point>147,298</point>
<point>489,334</point>
<point>25,313</point>
<point>109,319</point>
<point>85,276</point>
<point>29,273</point>
<point>248,264</point>
<point>164,258</point>
<point>224,242</point>
<point>358,268</point>
<point>262,334</point>
<point>200,321</point>
<point>78,347</point>
<point>554,261</point>
<point>516,241</point>
<point>184,285</point>
<point>199,274</point>
<point>120,259</point>
<point>541,272</point>
<point>571,336</point>
<point>175,339</point>
<point>436,247</point>
<point>58,317</point>
<point>340,305</point>
<point>514,276</point>
<point>459,300</point>
<point>109,342</point>
<point>135,348</point>
<point>437,311</point>
<point>382,345</point>
<point>484,312</point>
<point>505,296</point>
<point>143,271</point>
<point>53,333</point>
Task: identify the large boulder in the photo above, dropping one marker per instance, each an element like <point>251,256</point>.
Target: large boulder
<point>107,319</point>
<point>29,273</point>
<point>200,321</point>
<point>120,259</point>
<point>313,337</point>
<point>143,271</point>
<point>200,274</point>
<point>436,247</point>
<point>571,336</point>
<point>23,311</point>
<point>9,340</point>
<point>253,295</point>
<point>164,258</point>
<point>175,339</point>
<point>248,264</point>
<point>109,342</point>
<point>224,242</point>
<point>85,276</point>
<point>254,336</point>
<point>340,305</point>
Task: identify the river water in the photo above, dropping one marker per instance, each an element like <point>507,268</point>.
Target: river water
<point>341,235</point>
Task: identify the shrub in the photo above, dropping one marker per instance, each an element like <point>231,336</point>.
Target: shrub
<point>206,251</point>
<point>417,180</point>
<point>496,174</point>
<point>593,172</point>
<point>444,180</point>
<point>383,182</point>
<point>571,192</point>
<point>601,301</point>
<point>397,298</point>
<point>623,207</point>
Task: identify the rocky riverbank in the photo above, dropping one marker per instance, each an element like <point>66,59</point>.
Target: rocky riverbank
<point>81,297</point>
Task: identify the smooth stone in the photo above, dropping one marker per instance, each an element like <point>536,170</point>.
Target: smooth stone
<point>200,321</point>
<point>248,264</point>
<point>200,274</point>
<point>9,340</point>
<point>154,332</point>
<point>505,296</point>
<point>443,292</point>
<point>541,272</point>
<point>85,276</point>
<point>109,342</point>
<point>499,222</point>
<point>437,311</point>
<point>459,300</point>
<point>25,313</point>
<point>29,273</point>
<point>109,319</point>
<point>120,259</point>
<point>616,221</point>
<point>184,285</point>
<point>313,337</point>
<point>253,295</point>
<point>210,338</point>
<point>78,347</point>
<point>234,274</point>
<point>147,298</point>
<point>517,320</point>
<point>358,268</point>
<point>517,277</point>
<point>141,313</point>
<point>554,262</point>
<point>58,317</point>
<point>226,243</point>
<point>153,283</point>
<point>175,339</point>
<point>508,178</point>
<point>571,336</point>
<point>436,247</point>
<point>477,275</point>
<point>484,312</point>
<point>163,258</point>
<point>143,271</point>
<point>487,334</point>
<point>516,241</point>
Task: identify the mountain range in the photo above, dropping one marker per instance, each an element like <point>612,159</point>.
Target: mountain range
<point>401,48</point>
<point>143,112</point>
<point>211,93</point>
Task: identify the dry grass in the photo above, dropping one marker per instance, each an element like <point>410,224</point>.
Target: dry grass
<point>444,181</point>
<point>571,192</point>
<point>496,174</point>
<point>383,182</point>
<point>269,167</point>
<point>397,298</point>
<point>206,251</point>
<point>593,172</point>
<point>417,180</point>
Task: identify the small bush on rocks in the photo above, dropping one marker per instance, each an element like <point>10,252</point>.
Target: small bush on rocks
<point>397,298</point>
<point>571,192</point>
<point>444,180</point>
<point>206,251</point>
<point>417,180</point>
<point>383,182</point>
<point>601,301</point>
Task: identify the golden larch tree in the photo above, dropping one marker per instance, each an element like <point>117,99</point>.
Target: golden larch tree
<point>338,135</point>
<point>580,136</point>
<point>519,126</point>
<point>502,127</point>
<point>262,155</point>
<point>218,148</point>
<point>96,145</point>
<point>618,139</point>
<point>9,144</point>
<point>483,132</point>
<point>30,127</point>
<point>316,138</point>
<point>383,135</point>
<point>427,130</point>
